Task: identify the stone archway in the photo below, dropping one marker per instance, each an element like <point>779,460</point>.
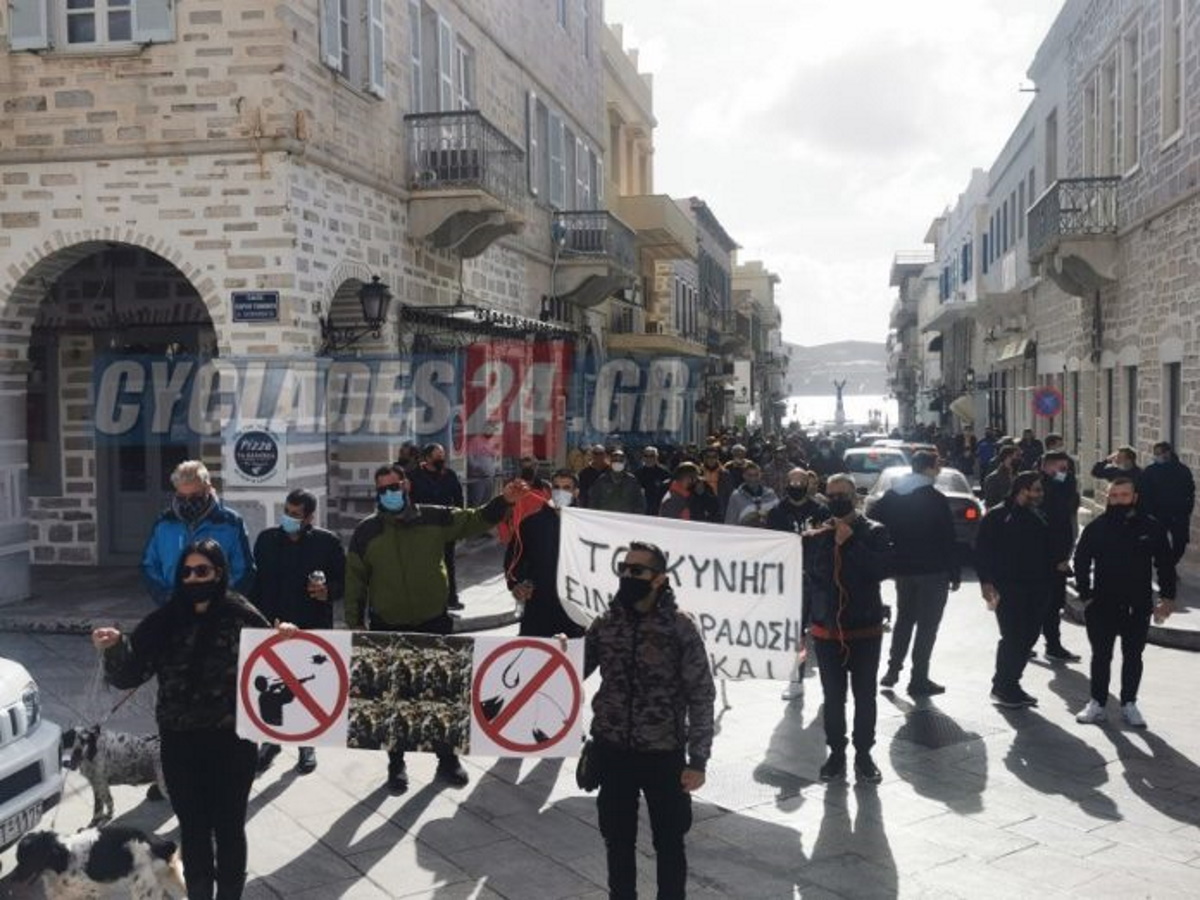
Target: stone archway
<point>57,483</point>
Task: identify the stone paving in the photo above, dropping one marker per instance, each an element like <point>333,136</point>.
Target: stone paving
<point>975,802</point>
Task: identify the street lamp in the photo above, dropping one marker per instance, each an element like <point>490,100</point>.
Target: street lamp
<point>374,298</point>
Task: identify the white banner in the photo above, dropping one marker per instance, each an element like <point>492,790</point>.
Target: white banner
<point>743,585</point>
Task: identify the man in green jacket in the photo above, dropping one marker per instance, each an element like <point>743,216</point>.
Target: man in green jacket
<point>396,576</point>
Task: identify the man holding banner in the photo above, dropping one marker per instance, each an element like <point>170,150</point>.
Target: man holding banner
<point>846,559</point>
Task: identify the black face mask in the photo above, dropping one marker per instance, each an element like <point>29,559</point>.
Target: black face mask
<point>839,507</point>
<point>1118,510</point>
<point>191,509</point>
<point>437,465</point>
<point>194,592</point>
<point>632,590</point>
<point>528,474</point>
<point>755,489</point>
<point>797,492</point>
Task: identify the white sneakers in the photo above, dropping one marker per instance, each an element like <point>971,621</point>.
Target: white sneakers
<point>1094,714</point>
<point>793,691</point>
<point>1132,715</point>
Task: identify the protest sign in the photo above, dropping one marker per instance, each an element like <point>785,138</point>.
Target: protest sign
<point>743,585</point>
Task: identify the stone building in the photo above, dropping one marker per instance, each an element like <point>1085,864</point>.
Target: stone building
<point>221,177</point>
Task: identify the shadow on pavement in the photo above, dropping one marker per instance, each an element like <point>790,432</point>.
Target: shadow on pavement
<point>853,856</point>
<point>927,728</point>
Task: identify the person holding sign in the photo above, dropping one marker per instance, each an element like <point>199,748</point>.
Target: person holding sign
<point>845,560</point>
<point>396,576</point>
<point>191,646</point>
<point>652,720</point>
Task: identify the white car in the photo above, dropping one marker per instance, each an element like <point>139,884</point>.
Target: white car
<point>864,464</point>
<point>31,777</point>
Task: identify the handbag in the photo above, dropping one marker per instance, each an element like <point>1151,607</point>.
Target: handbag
<point>587,769</point>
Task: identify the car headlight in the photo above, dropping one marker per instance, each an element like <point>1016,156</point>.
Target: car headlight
<point>31,699</point>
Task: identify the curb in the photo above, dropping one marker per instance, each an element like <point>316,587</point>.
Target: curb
<point>1159,635</point>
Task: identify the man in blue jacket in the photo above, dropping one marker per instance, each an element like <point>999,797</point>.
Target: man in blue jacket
<point>195,513</point>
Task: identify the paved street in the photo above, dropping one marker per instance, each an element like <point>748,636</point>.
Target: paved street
<point>974,802</point>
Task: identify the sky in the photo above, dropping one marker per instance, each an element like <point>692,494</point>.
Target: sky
<point>826,135</point>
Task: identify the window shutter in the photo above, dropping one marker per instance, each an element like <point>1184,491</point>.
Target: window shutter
<point>331,35</point>
<point>583,192</point>
<point>28,25</point>
<point>558,163</point>
<point>599,182</point>
<point>445,63</point>
<point>375,49</point>
<point>153,21</point>
<point>531,143</point>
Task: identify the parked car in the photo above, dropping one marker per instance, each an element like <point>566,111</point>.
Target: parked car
<point>31,778</point>
<point>864,464</point>
<point>967,509</point>
<point>908,448</point>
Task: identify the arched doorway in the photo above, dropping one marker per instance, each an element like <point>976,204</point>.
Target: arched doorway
<point>91,494</point>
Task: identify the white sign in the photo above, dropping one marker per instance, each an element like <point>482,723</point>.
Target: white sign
<point>294,690</point>
<point>526,698</point>
<point>256,456</point>
<point>743,585</point>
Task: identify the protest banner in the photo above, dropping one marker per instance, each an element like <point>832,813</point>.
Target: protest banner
<point>373,690</point>
<point>743,585</point>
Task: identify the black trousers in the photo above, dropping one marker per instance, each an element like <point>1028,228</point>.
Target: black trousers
<point>627,774</point>
<point>443,624</point>
<point>855,661</point>
<point>1179,530</point>
<point>208,775</point>
<point>920,602</point>
<point>448,556</point>
<point>1052,622</point>
<point>1105,622</point>
<point>1020,615</point>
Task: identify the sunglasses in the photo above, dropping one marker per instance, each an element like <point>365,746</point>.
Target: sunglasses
<point>636,570</point>
<point>204,570</point>
<point>388,488</point>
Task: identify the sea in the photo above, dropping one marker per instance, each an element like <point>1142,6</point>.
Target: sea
<point>817,411</point>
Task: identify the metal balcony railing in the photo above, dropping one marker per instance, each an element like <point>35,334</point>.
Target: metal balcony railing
<point>1072,207</point>
<point>596,232</point>
<point>462,149</point>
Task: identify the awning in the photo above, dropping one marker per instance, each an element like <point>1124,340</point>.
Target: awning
<point>478,320</point>
<point>1019,348</point>
<point>948,314</point>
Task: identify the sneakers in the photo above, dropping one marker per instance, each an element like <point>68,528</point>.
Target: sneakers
<point>834,768</point>
<point>307,763</point>
<point>450,770</point>
<point>865,768</point>
<point>397,780</point>
<point>266,756</point>
<point>1062,654</point>
<point>925,688</point>
<point>454,605</point>
<point>1009,699</point>
<point>1132,715</point>
<point>890,678</point>
<point>1093,714</point>
<point>793,691</point>
<point>1026,699</point>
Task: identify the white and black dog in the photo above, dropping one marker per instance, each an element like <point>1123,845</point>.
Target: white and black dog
<point>107,757</point>
<point>96,862</point>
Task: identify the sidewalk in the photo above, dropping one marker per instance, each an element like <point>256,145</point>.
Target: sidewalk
<point>74,600</point>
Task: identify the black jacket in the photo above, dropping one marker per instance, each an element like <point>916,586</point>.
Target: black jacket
<point>1167,491</point>
<point>436,488</point>
<point>1060,507</point>
<point>1014,546</point>
<point>844,581</point>
<point>280,587</point>
<point>1121,549</point>
<point>1108,472</point>
<point>797,517</point>
<point>533,557</point>
<point>654,481</point>
<point>921,526</point>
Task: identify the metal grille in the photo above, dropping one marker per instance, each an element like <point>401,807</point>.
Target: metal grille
<point>597,233</point>
<point>1072,207</point>
<point>463,149</point>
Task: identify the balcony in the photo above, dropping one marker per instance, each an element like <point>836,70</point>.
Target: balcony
<point>1073,234</point>
<point>659,339</point>
<point>664,231</point>
<point>903,314</point>
<point>597,256</point>
<point>467,181</point>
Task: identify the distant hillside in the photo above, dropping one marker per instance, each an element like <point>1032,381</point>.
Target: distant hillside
<point>861,364</point>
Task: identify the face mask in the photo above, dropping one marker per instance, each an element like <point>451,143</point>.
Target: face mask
<point>632,590</point>
<point>392,501</point>
<point>1060,476</point>
<point>754,488</point>
<point>562,497</point>
<point>190,509</point>
<point>1118,510</point>
<point>840,506</point>
<point>1160,459</point>
<point>797,491</point>
<point>194,592</point>
<point>437,465</point>
<point>618,467</point>
<point>290,524</point>
<point>528,474</point>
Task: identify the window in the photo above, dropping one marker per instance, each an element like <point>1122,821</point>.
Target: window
<point>532,144</point>
<point>1110,119</point>
<point>557,163</point>
<point>1012,221</point>
<point>586,14</point>
<point>983,253</point>
<point>1131,96</point>
<point>352,42</point>
<point>1052,147</point>
<point>1004,227</point>
<point>583,175</point>
<point>1173,383</point>
<point>965,263</point>
<point>1021,207</point>
<point>1131,405</point>
<point>1091,113</point>
<point>1172,68</point>
<point>416,97</point>
<point>84,24</point>
<point>464,75</point>
<point>562,13</point>
<point>1032,188</point>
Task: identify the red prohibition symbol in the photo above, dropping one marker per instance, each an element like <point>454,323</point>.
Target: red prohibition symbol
<point>494,728</point>
<point>325,719</point>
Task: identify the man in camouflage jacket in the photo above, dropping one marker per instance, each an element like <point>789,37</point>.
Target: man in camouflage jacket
<point>652,720</point>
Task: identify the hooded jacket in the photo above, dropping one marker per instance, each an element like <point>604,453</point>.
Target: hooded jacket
<point>171,534</point>
<point>1114,556</point>
<point>656,689</point>
<point>844,581</point>
<point>194,655</point>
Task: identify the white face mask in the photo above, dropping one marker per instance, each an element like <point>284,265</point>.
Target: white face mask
<point>618,467</point>
<point>562,497</point>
